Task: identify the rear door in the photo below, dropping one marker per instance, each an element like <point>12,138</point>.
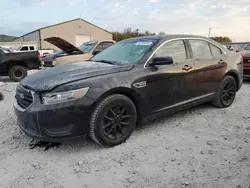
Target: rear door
<point>210,66</point>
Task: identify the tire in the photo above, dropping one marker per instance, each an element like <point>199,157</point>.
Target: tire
<point>1,96</point>
<point>225,84</point>
<point>17,73</point>
<point>118,129</point>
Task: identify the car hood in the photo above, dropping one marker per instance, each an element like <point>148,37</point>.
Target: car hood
<point>63,44</point>
<point>245,53</point>
<point>49,78</point>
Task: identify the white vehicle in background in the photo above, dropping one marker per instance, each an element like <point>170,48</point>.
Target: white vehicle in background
<point>235,48</point>
<point>28,48</point>
<point>225,46</point>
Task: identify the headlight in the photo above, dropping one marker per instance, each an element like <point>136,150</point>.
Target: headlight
<point>53,98</point>
<point>53,62</point>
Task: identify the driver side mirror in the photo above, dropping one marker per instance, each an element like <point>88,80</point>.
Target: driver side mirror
<point>161,61</point>
<point>96,52</point>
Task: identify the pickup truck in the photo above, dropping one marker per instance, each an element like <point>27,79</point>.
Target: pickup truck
<point>77,54</point>
<point>16,64</point>
<point>28,48</point>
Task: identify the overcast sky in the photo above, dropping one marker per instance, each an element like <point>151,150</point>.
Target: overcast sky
<point>225,17</point>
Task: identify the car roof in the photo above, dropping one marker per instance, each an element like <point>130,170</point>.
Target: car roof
<point>167,37</point>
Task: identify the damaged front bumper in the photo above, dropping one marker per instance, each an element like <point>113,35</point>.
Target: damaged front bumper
<point>54,123</point>
<point>246,72</point>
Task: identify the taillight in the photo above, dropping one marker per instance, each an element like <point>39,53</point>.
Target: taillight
<point>39,57</point>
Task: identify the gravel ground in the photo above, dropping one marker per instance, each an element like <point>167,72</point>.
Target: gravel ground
<point>202,147</point>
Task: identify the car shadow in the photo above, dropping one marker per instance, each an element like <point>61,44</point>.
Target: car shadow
<point>247,82</point>
<point>68,146</point>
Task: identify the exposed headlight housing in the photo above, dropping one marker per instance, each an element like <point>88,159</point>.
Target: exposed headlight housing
<point>60,97</point>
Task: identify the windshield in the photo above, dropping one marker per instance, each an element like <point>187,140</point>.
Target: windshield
<point>87,46</point>
<point>59,52</point>
<point>128,51</point>
<point>248,47</point>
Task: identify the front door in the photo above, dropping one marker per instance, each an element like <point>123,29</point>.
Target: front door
<point>170,85</point>
<point>210,66</point>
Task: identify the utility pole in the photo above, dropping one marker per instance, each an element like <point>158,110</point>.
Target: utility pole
<point>209,31</point>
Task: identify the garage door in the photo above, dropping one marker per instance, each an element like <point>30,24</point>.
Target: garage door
<point>80,39</point>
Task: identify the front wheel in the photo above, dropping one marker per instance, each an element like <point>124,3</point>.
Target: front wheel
<point>113,120</point>
<point>226,92</point>
<point>17,73</point>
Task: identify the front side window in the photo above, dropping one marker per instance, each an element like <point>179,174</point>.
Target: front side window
<point>126,52</point>
<point>87,46</point>
<point>215,50</point>
<point>175,49</point>
<point>200,48</point>
<point>24,48</point>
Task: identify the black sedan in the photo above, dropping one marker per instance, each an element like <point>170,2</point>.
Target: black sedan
<point>129,83</point>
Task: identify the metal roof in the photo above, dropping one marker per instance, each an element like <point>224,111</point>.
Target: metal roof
<point>61,24</point>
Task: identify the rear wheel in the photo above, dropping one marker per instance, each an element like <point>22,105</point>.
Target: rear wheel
<point>17,73</point>
<point>113,120</point>
<point>226,93</point>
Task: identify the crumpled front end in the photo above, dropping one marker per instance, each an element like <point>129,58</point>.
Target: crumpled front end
<point>54,122</point>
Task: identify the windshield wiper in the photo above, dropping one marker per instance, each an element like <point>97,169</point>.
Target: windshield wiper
<point>108,62</point>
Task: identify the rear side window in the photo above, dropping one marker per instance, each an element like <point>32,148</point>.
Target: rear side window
<point>200,48</point>
<point>215,50</point>
<point>32,48</point>
<point>175,49</point>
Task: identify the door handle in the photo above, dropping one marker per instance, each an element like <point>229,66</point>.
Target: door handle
<point>186,67</point>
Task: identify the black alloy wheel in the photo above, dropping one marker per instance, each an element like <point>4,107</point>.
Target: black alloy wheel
<point>226,93</point>
<point>116,122</point>
<point>113,120</point>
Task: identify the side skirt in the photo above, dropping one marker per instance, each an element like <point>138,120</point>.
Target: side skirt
<point>178,108</point>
